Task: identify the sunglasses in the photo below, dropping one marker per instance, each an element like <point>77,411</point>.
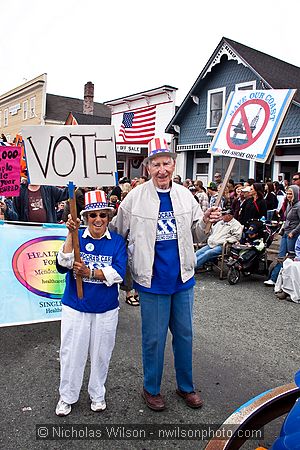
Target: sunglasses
<point>93,215</point>
<point>296,179</point>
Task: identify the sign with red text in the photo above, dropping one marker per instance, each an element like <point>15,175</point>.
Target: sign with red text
<point>10,171</point>
<point>250,124</point>
<point>83,154</point>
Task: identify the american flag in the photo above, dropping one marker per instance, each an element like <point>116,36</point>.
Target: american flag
<point>138,126</point>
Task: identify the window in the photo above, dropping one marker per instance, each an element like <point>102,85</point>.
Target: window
<point>6,117</point>
<point>215,106</point>
<point>248,86</point>
<point>25,110</point>
<point>32,107</point>
<point>240,169</point>
<point>121,169</point>
<point>202,167</point>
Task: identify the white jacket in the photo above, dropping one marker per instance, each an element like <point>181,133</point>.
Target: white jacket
<point>136,221</point>
<point>222,232</point>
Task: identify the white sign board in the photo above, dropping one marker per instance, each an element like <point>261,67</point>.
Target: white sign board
<point>130,149</point>
<point>250,124</point>
<point>83,154</point>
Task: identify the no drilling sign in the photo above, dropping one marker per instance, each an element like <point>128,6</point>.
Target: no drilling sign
<point>251,123</point>
<point>250,130</point>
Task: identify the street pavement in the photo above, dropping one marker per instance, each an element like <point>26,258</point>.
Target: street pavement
<point>245,342</point>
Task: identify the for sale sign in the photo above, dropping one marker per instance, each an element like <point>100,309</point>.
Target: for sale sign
<point>250,124</point>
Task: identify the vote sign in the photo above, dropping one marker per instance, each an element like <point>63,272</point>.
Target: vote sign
<point>83,154</point>
<point>250,124</point>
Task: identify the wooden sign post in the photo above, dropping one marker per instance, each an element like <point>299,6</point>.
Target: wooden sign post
<point>73,211</point>
<point>221,191</point>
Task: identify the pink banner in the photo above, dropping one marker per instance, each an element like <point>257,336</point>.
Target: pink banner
<point>10,171</point>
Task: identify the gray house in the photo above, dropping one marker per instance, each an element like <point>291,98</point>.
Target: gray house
<point>234,66</point>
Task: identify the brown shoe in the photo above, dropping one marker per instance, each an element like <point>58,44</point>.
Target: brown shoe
<point>192,399</point>
<point>282,295</point>
<point>155,402</point>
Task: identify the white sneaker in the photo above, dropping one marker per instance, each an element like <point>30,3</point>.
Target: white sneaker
<point>98,406</point>
<point>269,283</point>
<point>62,408</point>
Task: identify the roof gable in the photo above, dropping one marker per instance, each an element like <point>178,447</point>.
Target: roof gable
<point>277,73</point>
<point>273,72</point>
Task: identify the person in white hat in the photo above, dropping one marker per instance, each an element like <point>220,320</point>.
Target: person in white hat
<point>88,325</point>
<point>159,218</point>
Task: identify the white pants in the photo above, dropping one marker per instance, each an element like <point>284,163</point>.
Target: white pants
<point>83,334</point>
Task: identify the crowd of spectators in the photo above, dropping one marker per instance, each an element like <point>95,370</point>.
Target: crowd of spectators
<point>247,200</point>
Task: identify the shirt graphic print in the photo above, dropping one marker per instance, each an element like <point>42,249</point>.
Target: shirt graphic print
<point>166,226</point>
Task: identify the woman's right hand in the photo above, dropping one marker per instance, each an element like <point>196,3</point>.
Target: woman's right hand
<point>71,225</point>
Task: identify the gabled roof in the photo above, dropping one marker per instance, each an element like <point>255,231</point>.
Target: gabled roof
<point>58,107</point>
<point>278,74</point>
<point>90,119</point>
<point>273,72</point>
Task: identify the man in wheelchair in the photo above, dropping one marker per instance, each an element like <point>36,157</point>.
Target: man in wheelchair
<point>227,230</point>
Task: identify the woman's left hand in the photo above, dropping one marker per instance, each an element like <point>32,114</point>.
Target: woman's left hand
<point>79,268</point>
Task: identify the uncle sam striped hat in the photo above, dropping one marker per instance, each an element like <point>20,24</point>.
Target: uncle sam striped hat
<point>95,201</point>
<point>158,147</point>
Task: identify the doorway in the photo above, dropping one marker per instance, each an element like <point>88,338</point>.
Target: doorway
<point>289,168</point>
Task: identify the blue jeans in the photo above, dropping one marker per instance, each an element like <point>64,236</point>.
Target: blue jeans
<point>286,245</point>
<point>207,253</point>
<point>160,312</point>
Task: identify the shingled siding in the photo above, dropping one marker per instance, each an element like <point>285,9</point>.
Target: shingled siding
<point>291,125</point>
<point>227,73</point>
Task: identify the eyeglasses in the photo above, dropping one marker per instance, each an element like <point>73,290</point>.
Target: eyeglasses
<point>296,179</point>
<point>93,215</point>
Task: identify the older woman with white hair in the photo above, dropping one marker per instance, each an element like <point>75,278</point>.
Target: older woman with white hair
<point>88,325</point>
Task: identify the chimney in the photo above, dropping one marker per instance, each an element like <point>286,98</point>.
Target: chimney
<point>88,102</point>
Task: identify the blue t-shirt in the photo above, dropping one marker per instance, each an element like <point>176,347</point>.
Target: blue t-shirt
<point>96,253</point>
<point>166,277</point>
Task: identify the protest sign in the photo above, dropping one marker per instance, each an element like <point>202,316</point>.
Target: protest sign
<point>250,124</point>
<point>83,154</point>
<point>31,287</point>
<point>10,171</point>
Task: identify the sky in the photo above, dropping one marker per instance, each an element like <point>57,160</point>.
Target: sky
<point>125,47</point>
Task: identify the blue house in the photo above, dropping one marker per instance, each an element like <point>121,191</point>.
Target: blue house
<point>234,66</point>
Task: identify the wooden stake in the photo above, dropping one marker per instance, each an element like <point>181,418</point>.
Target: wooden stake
<point>73,211</point>
<point>221,192</point>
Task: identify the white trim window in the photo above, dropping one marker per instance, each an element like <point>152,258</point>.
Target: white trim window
<point>247,86</point>
<point>32,107</point>
<point>215,106</point>
<point>6,117</point>
<point>25,110</point>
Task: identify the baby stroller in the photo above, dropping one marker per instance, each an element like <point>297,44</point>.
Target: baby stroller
<point>248,258</point>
